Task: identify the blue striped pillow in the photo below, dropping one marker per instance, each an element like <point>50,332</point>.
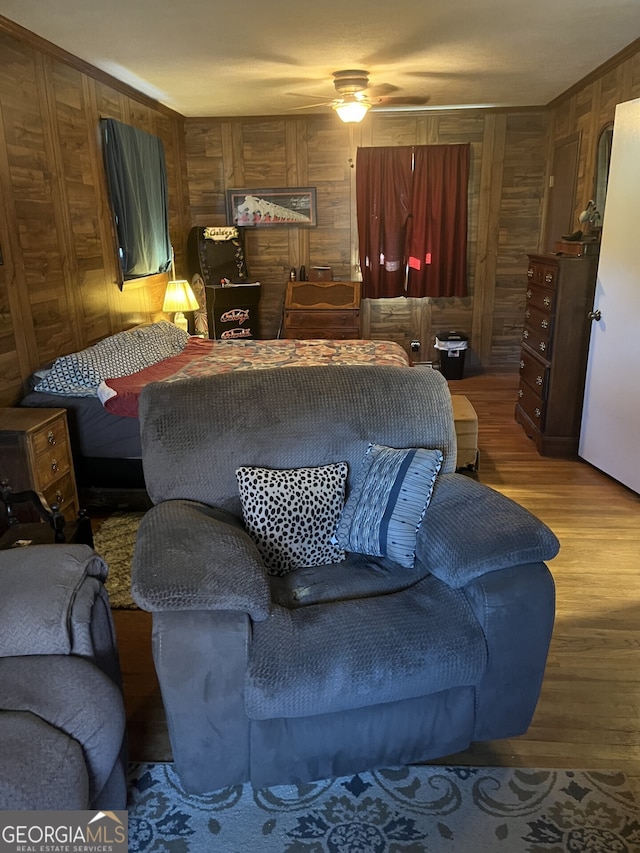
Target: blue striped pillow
<point>389,499</point>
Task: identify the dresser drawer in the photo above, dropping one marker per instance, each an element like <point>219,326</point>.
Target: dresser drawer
<point>54,461</point>
<point>53,434</point>
<point>541,273</point>
<point>534,372</point>
<point>325,319</point>
<point>323,333</point>
<point>532,404</point>
<point>537,332</point>
<point>62,492</point>
<point>541,298</point>
<point>340,325</point>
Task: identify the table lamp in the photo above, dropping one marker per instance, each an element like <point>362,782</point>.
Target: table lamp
<point>179,297</point>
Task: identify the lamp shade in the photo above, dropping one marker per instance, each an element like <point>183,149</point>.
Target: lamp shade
<point>179,297</point>
<point>352,109</point>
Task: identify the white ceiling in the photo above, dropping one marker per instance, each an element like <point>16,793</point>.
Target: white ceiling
<point>266,57</point>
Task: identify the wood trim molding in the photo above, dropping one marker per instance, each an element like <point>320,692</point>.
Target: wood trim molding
<point>12,28</point>
<point>158,278</point>
<point>613,61</point>
<point>38,43</point>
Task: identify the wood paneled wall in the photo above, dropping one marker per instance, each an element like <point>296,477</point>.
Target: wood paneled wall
<point>512,152</point>
<point>58,280</point>
<point>506,193</point>
<point>58,290</point>
<point>587,107</point>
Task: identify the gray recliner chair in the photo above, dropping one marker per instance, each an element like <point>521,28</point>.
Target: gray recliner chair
<point>62,718</point>
<point>338,668</point>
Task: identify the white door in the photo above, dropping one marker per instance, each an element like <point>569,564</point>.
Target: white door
<point>610,435</point>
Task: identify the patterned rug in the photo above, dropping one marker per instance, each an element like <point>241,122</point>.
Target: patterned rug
<point>114,539</point>
<point>410,810</point>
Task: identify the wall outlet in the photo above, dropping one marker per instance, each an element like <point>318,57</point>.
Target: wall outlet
<point>415,346</point>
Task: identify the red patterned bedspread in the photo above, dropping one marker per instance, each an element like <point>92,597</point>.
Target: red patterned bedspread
<point>202,357</point>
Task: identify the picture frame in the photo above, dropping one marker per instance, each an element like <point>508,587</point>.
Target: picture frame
<point>267,208</point>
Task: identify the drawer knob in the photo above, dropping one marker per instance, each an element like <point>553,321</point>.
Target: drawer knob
<point>538,380</point>
<point>545,324</point>
<point>525,334</point>
<point>520,392</point>
<point>537,412</point>
<point>527,313</point>
<point>529,293</point>
<point>547,301</point>
<point>542,346</point>
<point>54,465</point>
<point>521,364</point>
<point>59,498</point>
<point>548,277</point>
<point>530,272</point>
<point>51,437</point>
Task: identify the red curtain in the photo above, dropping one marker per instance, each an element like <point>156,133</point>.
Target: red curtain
<point>437,245</point>
<point>412,220</point>
<point>383,198</point>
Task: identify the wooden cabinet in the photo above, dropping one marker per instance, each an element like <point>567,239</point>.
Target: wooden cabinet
<point>35,453</point>
<point>322,309</point>
<point>553,357</point>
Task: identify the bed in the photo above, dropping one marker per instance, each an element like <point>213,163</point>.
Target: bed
<point>100,386</point>
<point>202,357</point>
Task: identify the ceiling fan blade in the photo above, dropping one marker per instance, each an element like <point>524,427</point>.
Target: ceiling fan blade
<point>308,106</point>
<point>311,106</point>
<point>380,90</point>
<point>305,96</point>
<point>403,101</point>
<point>353,86</point>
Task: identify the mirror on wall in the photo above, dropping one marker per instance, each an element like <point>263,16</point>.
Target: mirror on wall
<point>603,157</point>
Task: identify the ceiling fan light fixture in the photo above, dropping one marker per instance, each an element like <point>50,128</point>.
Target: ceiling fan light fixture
<point>352,110</point>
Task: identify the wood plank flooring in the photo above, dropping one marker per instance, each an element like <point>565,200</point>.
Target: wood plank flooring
<point>588,715</point>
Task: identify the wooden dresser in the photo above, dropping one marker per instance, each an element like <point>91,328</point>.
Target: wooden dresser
<point>555,344</point>
<point>322,309</point>
<point>35,453</point>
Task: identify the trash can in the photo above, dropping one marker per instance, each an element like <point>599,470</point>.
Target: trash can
<point>452,346</point>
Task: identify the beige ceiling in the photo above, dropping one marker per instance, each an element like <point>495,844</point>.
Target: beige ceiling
<point>266,57</point>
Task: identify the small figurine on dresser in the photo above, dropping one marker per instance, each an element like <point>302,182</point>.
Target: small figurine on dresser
<point>589,224</point>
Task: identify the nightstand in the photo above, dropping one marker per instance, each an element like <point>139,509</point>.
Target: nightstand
<point>35,453</point>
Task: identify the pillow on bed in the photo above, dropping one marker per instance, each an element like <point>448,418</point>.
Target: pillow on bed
<point>66,376</point>
<point>387,504</point>
<point>291,514</point>
<point>79,374</point>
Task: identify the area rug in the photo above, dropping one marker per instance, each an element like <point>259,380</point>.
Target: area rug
<point>114,539</point>
<point>408,810</point>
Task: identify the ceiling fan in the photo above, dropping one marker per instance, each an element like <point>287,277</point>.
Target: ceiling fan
<point>356,97</point>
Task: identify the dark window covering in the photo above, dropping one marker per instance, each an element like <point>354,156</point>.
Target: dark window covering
<point>412,220</point>
<point>137,177</point>
<point>383,193</point>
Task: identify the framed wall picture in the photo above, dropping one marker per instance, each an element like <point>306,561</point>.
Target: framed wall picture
<point>284,206</point>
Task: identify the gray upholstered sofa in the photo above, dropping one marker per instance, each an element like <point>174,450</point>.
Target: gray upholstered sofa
<point>62,719</point>
<point>352,665</point>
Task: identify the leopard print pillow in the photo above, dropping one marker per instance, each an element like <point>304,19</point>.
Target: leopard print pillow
<point>292,514</point>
